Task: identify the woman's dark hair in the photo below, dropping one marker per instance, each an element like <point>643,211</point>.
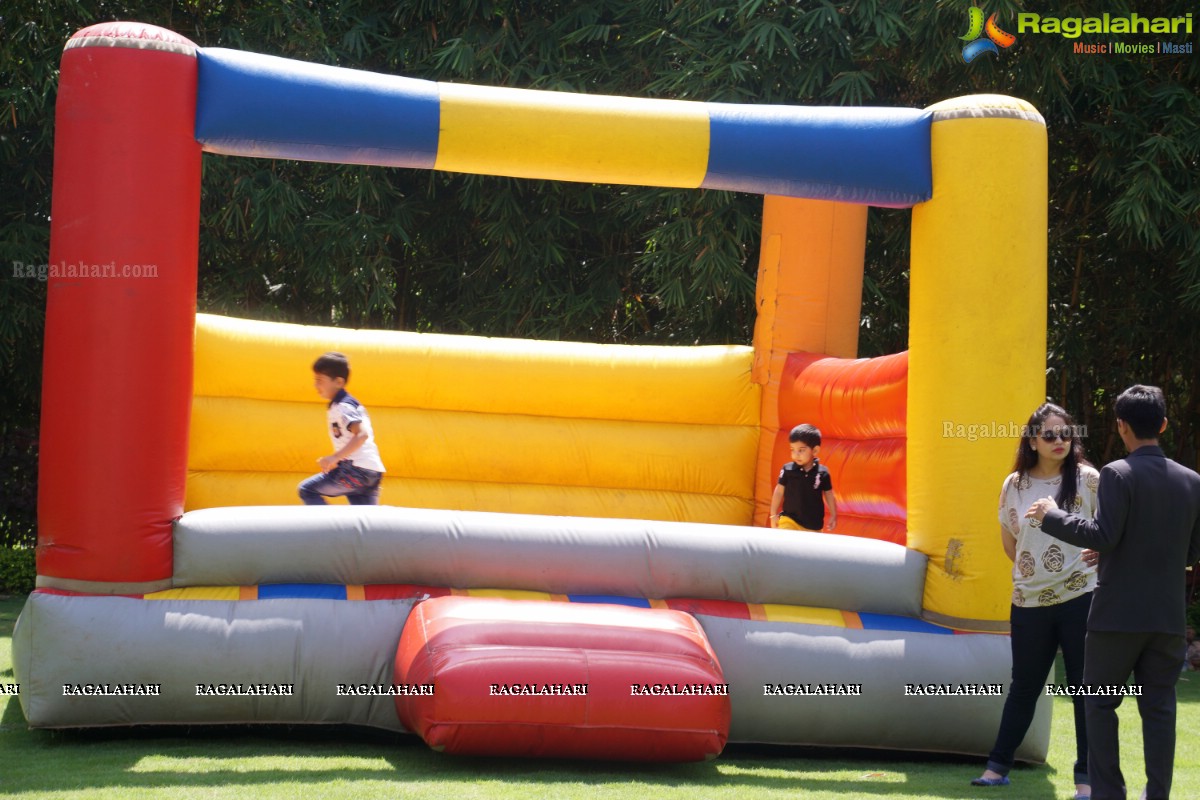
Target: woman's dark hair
<point>1027,456</point>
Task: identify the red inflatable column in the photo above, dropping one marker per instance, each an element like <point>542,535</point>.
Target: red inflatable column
<point>120,310</point>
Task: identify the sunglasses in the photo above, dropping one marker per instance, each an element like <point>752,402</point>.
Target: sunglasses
<point>1052,436</point>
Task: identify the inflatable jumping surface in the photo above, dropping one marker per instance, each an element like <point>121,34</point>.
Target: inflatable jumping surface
<point>603,584</point>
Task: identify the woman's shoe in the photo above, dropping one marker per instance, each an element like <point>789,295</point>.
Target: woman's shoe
<point>1001,781</point>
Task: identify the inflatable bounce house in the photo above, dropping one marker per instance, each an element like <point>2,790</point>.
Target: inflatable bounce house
<point>574,557</point>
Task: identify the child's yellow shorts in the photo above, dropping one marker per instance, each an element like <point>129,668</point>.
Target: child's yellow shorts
<point>789,524</point>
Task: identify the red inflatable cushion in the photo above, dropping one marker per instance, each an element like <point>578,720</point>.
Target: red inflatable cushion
<point>571,680</point>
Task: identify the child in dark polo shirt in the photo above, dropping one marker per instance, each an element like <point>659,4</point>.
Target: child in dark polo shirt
<point>805,487</point>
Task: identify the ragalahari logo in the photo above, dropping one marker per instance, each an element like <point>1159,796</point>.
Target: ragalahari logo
<point>976,27</point>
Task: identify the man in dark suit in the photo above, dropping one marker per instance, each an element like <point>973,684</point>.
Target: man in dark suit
<point>1147,530</point>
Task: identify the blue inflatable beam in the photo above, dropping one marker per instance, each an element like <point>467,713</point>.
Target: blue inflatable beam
<point>875,156</point>
<point>292,591</point>
<point>255,105</point>
<point>249,104</point>
<point>891,622</point>
<point>635,602</point>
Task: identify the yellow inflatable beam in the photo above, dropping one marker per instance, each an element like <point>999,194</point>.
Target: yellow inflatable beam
<point>977,345</point>
<point>576,137</point>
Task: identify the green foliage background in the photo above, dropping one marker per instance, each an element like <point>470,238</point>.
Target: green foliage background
<point>418,250</point>
<point>18,573</point>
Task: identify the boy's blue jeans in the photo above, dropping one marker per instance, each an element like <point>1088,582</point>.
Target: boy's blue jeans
<point>359,486</point>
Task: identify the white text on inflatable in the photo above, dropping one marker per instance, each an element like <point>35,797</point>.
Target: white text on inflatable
<point>678,689</point>
<point>111,689</point>
<point>812,689</point>
<point>977,689</point>
<point>245,689</point>
<point>385,689</point>
<point>536,689</point>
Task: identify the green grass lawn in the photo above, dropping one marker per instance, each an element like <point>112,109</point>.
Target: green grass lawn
<point>318,762</point>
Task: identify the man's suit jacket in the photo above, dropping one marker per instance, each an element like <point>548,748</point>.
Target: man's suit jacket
<point>1147,530</point>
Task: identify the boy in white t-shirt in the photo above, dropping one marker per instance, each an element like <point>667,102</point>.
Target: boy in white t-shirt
<point>354,469</point>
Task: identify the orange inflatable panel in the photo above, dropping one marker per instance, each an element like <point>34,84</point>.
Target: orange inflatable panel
<point>495,677</point>
<point>863,398</point>
<point>861,407</point>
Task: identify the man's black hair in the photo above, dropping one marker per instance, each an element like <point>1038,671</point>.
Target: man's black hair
<point>1143,408</point>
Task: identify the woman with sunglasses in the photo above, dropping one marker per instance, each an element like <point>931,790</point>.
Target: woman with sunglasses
<point>1052,583</point>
